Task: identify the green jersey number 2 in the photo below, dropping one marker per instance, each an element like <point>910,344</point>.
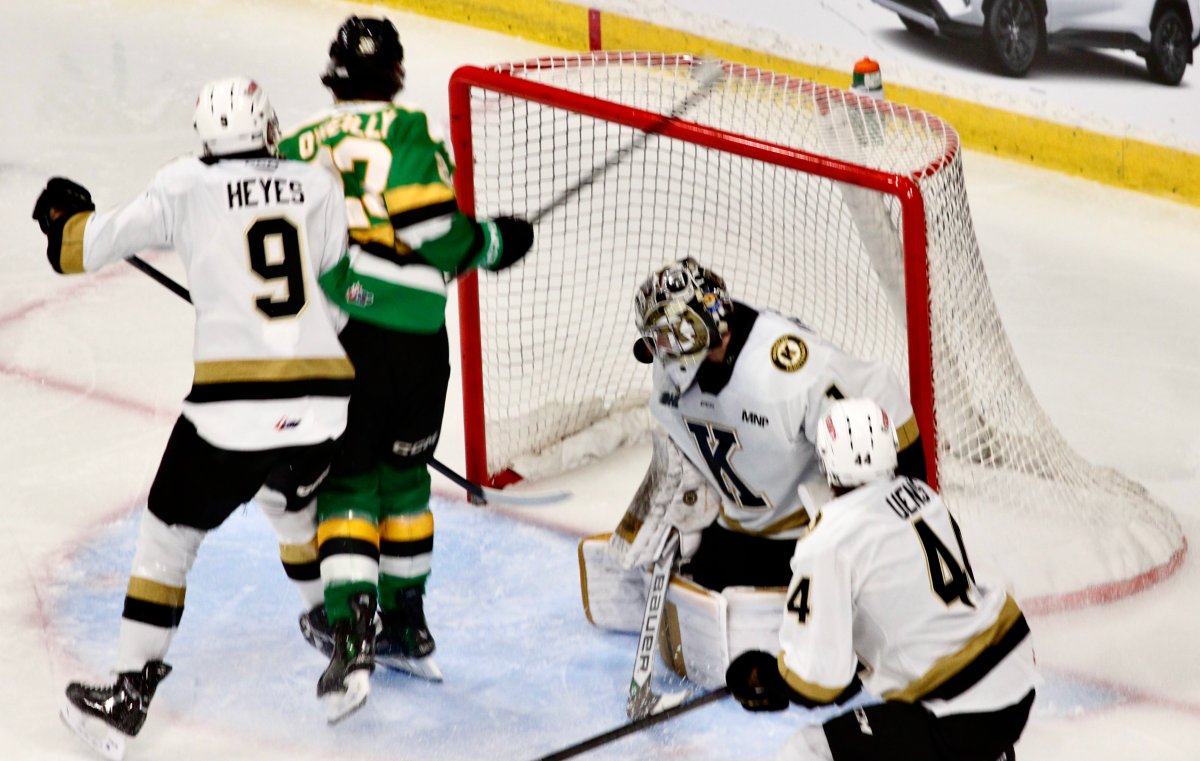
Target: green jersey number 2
<point>352,156</point>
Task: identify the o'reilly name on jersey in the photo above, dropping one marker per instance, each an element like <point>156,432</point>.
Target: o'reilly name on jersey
<point>372,126</point>
<point>263,192</point>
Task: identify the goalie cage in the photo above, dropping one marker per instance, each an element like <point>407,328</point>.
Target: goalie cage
<point>846,212</point>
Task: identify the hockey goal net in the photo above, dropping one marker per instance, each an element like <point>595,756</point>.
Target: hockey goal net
<point>848,213</point>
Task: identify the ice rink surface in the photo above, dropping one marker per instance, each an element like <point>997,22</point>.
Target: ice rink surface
<point>1096,288</point>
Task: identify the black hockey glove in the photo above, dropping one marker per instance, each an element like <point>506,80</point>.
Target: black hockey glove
<point>756,683</point>
<point>516,238</point>
<point>63,195</point>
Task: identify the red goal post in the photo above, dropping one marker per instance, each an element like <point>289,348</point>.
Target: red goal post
<point>845,212</point>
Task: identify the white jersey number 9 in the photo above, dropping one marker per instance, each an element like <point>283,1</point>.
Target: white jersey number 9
<point>275,255</point>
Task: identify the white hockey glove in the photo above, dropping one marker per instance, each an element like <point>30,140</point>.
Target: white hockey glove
<point>673,493</point>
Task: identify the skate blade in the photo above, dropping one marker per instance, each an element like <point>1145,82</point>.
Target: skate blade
<point>339,705</point>
<point>425,668</point>
<point>102,738</point>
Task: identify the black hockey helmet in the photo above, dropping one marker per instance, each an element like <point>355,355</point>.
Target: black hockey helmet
<point>366,60</point>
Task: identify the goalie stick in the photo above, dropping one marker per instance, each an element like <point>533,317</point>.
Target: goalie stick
<point>637,725</point>
<point>483,494</point>
<point>643,701</point>
<point>707,73</point>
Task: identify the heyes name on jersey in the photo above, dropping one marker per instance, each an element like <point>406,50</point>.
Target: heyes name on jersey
<point>263,191</point>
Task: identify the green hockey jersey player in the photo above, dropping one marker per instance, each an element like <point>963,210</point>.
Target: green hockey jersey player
<point>408,240</point>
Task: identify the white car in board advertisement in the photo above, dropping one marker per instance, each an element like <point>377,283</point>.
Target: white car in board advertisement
<point>1017,32</point>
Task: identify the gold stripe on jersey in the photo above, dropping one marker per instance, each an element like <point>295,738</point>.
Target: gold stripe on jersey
<point>407,528</point>
<point>158,593</point>
<point>946,667</point>
<point>253,370</point>
<point>348,528</point>
<point>796,520</point>
<point>295,554</point>
<point>70,248</point>
<point>907,434</point>
<point>377,233</point>
<point>811,691</point>
<point>401,199</point>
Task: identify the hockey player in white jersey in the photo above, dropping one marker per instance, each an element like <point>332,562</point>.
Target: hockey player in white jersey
<point>271,381</point>
<point>737,395</point>
<point>882,586</point>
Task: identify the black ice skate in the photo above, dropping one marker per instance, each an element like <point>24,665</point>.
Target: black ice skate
<point>317,630</point>
<point>106,716</point>
<point>404,643</point>
<point>346,683</point>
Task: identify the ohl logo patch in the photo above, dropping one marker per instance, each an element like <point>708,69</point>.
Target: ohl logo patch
<point>359,296</point>
<point>789,353</point>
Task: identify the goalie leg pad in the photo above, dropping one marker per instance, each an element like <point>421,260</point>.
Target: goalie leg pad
<point>694,644</point>
<point>613,597</point>
<point>754,617</point>
<point>706,630</point>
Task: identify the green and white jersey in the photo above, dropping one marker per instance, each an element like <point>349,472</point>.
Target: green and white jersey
<point>411,238</point>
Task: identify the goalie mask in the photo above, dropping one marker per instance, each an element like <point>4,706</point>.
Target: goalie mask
<point>234,116</point>
<point>856,443</point>
<point>680,313</point>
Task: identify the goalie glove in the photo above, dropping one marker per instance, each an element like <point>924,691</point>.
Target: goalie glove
<point>673,494</point>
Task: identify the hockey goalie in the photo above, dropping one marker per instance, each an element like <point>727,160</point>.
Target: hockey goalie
<point>738,394</point>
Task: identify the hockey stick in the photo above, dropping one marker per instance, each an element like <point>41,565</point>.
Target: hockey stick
<point>158,277</point>
<point>482,493</point>
<point>637,725</point>
<point>643,701</point>
<point>707,73</point>
<point>487,494</point>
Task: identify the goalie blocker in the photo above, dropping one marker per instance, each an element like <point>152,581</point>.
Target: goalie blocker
<point>703,630</point>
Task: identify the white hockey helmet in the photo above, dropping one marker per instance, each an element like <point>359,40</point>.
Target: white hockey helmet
<point>856,443</point>
<point>233,115</point>
<point>680,312</point>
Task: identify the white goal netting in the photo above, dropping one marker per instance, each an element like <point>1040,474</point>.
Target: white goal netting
<point>808,200</point>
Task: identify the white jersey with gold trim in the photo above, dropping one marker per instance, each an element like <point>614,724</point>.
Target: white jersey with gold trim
<point>254,236</point>
<point>754,438</point>
<point>882,580</point>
